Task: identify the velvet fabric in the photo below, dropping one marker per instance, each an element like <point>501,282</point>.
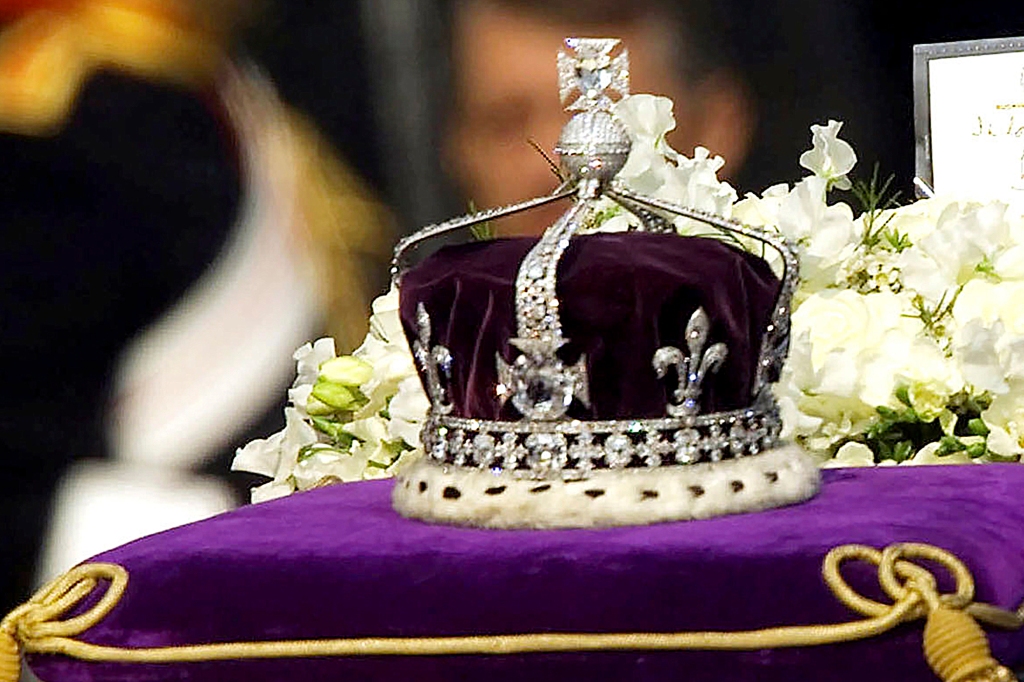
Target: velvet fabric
<point>339,562</point>
<point>622,296</point>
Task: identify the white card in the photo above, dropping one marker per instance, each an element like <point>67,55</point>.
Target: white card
<point>969,111</point>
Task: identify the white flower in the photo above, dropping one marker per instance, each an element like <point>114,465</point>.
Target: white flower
<point>276,456</point>
<point>694,183</point>
<point>1005,421</point>
<point>761,211</point>
<point>648,118</point>
<point>965,237</point>
<point>830,158</point>
<point>308,359</point>
<point>385,322</point>
<point>828,234</point>
<point>976,349</point>
<point>852,455</point>
<point>329,464</point>
<point>851,322</point>
<point>271,491</point>
<point>656,169</point>
<point>408,410</point>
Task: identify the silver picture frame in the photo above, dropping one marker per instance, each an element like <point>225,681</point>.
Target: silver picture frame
<point>923,56</point>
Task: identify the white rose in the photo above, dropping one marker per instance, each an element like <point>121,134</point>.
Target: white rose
<point>848,321</point>
<point>915,220</point>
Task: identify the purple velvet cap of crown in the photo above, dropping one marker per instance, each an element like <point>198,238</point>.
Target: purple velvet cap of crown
<point>622,296</point>
<point>340,562</point>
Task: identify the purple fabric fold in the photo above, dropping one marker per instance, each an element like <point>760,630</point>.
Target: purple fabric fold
<point>622,297</point>
<point>339,562</point>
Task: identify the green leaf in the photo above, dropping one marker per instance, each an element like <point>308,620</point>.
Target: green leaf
<point>873,199</point>
<point>335,431</point>
<point>948,445</point>
<point>396,446</point>
<point>903,450</point>
<point>887,412</point>
<point>903,395</point>
<point>976,450</point>
<point>481,232</point>
<point>978,427</point>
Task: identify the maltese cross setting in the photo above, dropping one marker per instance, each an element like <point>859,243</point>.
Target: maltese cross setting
<point>593,72</point>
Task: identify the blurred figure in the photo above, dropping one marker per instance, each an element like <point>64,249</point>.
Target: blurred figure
<point>174,232</point>
<point>505,88</point>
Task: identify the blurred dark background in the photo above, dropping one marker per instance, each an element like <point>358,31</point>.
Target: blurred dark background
<point>94,248</point>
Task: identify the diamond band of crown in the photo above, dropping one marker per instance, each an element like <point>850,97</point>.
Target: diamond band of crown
<point>541,385</point>
<point>573,449</point>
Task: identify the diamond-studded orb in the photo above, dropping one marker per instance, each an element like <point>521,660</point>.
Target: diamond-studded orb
<point>593,144</point>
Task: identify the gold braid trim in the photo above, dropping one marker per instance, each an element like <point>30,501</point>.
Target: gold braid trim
<point>954,644</point>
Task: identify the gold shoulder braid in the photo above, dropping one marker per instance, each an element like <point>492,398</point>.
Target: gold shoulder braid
<point>954,644</point>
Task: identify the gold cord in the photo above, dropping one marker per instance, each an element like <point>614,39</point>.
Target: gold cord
<point>955,646</point>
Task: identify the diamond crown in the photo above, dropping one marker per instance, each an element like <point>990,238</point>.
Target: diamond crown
<point>538,383</point>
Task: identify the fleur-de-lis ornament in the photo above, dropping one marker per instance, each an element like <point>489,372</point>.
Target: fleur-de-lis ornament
<point>691,370</point>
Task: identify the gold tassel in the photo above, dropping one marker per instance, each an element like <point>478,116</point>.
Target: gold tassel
<point>956,648</point>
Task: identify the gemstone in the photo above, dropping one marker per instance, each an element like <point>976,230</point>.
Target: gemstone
<point>546,452</point>
<point>618,450</point>
<point>739,438</point>
<point>593,81</point>
<point>716,443</point>
<point>439,450</point>
<point>648,455</point>
<point>483,449</point>
<point>687,446</point>
<point>541,391</point>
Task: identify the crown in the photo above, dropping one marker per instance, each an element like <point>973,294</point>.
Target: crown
<point>542,399</point>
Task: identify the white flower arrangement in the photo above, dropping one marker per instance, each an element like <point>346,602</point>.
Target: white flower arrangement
<point>907,331</point>
<point>349,418</point>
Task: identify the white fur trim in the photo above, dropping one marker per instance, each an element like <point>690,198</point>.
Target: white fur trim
<point>775,478</point>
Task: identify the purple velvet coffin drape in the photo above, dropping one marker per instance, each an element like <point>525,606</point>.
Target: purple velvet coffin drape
<point>622,296</point>
<point>338,562</point>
